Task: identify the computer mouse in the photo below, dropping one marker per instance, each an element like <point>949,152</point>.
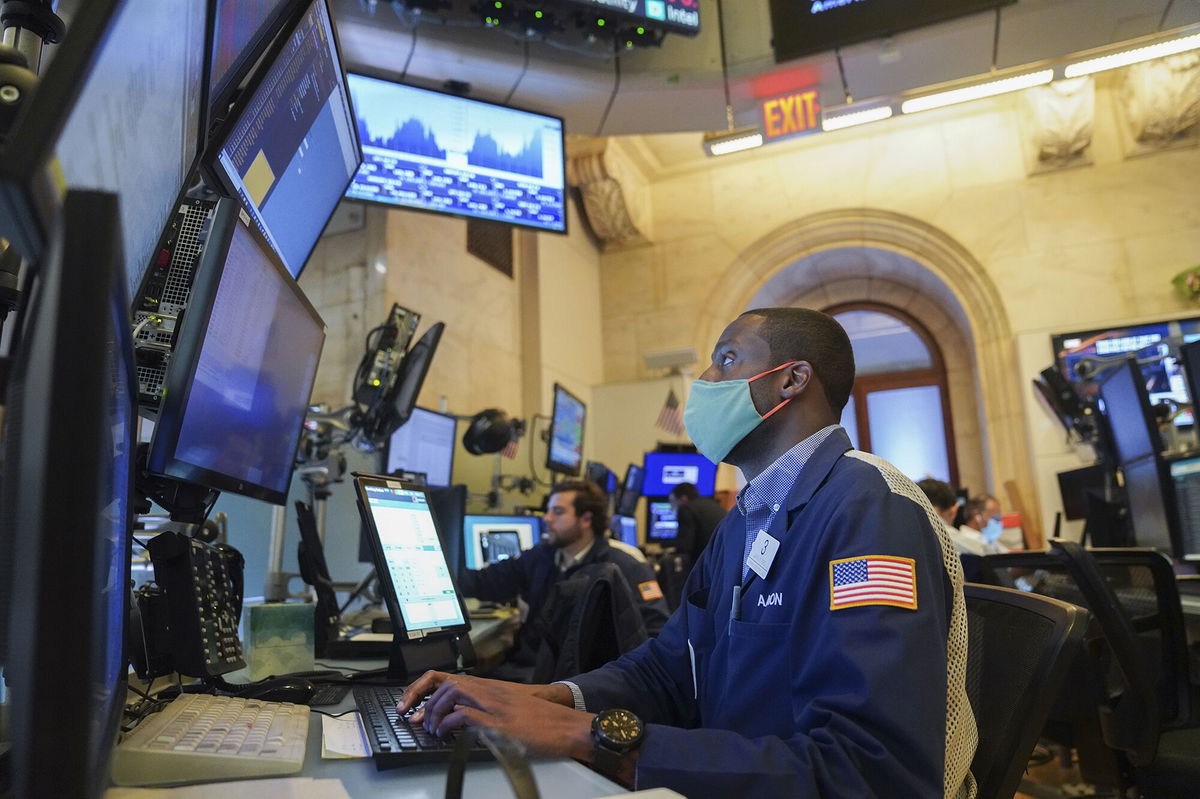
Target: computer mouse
<point>296,690</point>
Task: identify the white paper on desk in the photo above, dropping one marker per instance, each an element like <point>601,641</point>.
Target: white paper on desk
<point>343,737</point>
<point>283,788</point>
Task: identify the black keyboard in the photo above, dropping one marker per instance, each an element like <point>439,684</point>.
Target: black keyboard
<point>394,741</point>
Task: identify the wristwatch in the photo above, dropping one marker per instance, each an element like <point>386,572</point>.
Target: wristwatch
<point>615,732</point>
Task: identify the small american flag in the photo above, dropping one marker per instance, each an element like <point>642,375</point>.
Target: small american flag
<point>872,580</point>
<point>670,418</point>
<point>510,449</point>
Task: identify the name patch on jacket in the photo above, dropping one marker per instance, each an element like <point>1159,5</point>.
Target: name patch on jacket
<point>872,580</point>
<point>650,590</point>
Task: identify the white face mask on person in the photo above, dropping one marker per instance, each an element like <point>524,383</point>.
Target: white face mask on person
<point>719,414</point>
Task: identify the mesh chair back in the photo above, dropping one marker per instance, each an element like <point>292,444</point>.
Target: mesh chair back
<point>1019,648</point>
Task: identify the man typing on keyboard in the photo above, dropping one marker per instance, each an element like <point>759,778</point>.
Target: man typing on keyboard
<point>821,649</point>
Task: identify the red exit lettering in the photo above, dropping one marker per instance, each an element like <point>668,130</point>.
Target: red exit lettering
<point>791,114</point>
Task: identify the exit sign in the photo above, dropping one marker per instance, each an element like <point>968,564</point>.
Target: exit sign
<point>793,114</point>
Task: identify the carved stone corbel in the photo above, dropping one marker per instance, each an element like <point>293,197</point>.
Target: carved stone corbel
<point>616,197</point>
<point>1059,122</point>
<point>1161,102</point>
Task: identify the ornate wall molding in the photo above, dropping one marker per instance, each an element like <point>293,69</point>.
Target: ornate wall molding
<point>1058,120</point>
<point>616,196</point>
<point>1160,102</point>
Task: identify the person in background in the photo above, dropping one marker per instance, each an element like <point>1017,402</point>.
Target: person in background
<point>983,526</point>
<point>821,647</point>
<point>946,503</point>
<point>697,516</point>
<point>576,518</point>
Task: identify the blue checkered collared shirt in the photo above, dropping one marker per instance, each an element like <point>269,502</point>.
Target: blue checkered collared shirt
<point>763,496</point>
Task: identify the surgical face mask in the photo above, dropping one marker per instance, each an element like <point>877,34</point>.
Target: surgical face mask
<point>720,414</point>
<point>992,530</point>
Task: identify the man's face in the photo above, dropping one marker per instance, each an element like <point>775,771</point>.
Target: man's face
<point>991,510</point>
<point>563,527</point>
<point>741,354</point>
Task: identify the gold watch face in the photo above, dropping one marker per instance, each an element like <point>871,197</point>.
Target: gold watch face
<point>620,726</point>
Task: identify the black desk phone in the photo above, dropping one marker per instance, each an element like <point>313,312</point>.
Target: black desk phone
<point>202,584</point>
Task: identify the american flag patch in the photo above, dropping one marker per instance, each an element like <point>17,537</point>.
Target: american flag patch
<point>872,580</point>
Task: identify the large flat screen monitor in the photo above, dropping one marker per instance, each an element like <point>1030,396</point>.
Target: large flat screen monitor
<point>665,470</point>
<point>425,444</point>
<point>239,382</point>
<point>242,30</point>
<point>1127,408</point>
<point>625,530</point>
<point>631,490</point>
<point>439,152</point>
<point>66,529</point>
<point>1087,353</point>
<point>121,110</point>
<point>565,453</point>
<point>291,148</point>
<point>662,525</point>
<point>418,588</point>
<point>1149,500</point>
<point>1185,482</point>
<point>804,27</point>
<point>491,539</point>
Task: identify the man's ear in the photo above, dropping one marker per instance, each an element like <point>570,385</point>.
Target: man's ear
<point>799,377</point>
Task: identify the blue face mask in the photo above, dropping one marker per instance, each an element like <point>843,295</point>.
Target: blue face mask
<point>992,530</point>
<point>720,414</point>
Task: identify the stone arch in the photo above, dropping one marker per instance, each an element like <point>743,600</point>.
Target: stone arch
<point>950,292</point>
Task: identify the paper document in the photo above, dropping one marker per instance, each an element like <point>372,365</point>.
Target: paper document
<point>343,737</point>
<point>283,788</point>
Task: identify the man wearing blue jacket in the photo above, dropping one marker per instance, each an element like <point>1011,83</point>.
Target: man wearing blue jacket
<point>821,649</point>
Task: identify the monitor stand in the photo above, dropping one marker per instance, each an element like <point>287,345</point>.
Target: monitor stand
<point>410,659</point>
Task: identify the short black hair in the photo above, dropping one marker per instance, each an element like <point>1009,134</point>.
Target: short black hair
<point>978,503</point>
<point>685,490</point>
<point>802,334</point>
<point>589,498</point>
<point>940,494</point>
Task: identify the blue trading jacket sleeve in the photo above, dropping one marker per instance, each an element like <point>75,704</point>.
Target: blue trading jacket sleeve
<point>796,699</point>
<point>498,582</point>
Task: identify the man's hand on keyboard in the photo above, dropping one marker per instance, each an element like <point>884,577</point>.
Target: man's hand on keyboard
<point>539,716</point>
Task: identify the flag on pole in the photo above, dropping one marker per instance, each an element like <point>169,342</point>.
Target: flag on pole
<point>670,418</point>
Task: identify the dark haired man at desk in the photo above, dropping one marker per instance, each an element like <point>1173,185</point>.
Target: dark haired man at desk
<point>821,650</point>
<point>575,513</point>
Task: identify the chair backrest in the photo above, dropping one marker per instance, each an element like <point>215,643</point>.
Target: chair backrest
<point>1019,648</point>
<point>1130,714</point>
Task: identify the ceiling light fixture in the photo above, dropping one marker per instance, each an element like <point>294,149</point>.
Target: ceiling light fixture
<point>856,118</point>
<point>977,92</point>
<point>1134,56</point>
<point>733,141</point>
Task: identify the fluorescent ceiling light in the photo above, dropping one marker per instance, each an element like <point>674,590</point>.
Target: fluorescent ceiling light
<point>856,118</point>
<point>1134,56</point>
<point>738,140</point>
<point>976,92</point>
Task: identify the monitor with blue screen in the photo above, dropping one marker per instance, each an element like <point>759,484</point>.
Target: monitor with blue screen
<point>489,539</point>
<point>292,147</point>
<point>662,526</point>
<point>424,444</point>
<point>665,470</point>
<point>565,453</point>
<point>1127,408</point>
<point>625,529</point>
<point>440,152</point>
<point>631,490</point>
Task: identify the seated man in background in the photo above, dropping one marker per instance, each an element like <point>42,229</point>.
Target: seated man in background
<point>697,516</point>
<point>821,649</point>
<point>946,503</point>
<point>575,524</point>
<point>983,527</point>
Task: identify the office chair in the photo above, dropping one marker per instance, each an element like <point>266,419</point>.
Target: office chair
<point>1019,648</point>
<point>1142,711</point>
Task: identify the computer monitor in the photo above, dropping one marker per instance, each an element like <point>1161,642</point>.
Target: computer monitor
<point>242,30</point>
<point>1150,505</point>
<point>449,509</point>
<point>665,470</point>
<point>631,490</point>
<point>1185,482</point>
<point>121,110</point>
<point>441,152</point>
<point>481,533</point>
<point>417,584</point>
<point>1189,358</point>
<point>291,148</point>
<point>625,529</point>
<point>662,526</point>
<point>601,475</point>
<point>240,379</point>
<point>65,530</point>
<point>424,444</point>
<point>565,453</point>
<point>1076,485</point>
<point>1127,407</point>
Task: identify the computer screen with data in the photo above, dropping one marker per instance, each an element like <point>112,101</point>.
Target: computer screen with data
<point>241,31</point>
<point>489,539</point>
<point>292,149</point>
<point>240,380</point>
<point>135,129</point>
<point>565,453</point>
<point>418,587</point>
<point>662,526</point>
<point>665,470</point>
<point>625,529</point>
<point>425,444</point>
